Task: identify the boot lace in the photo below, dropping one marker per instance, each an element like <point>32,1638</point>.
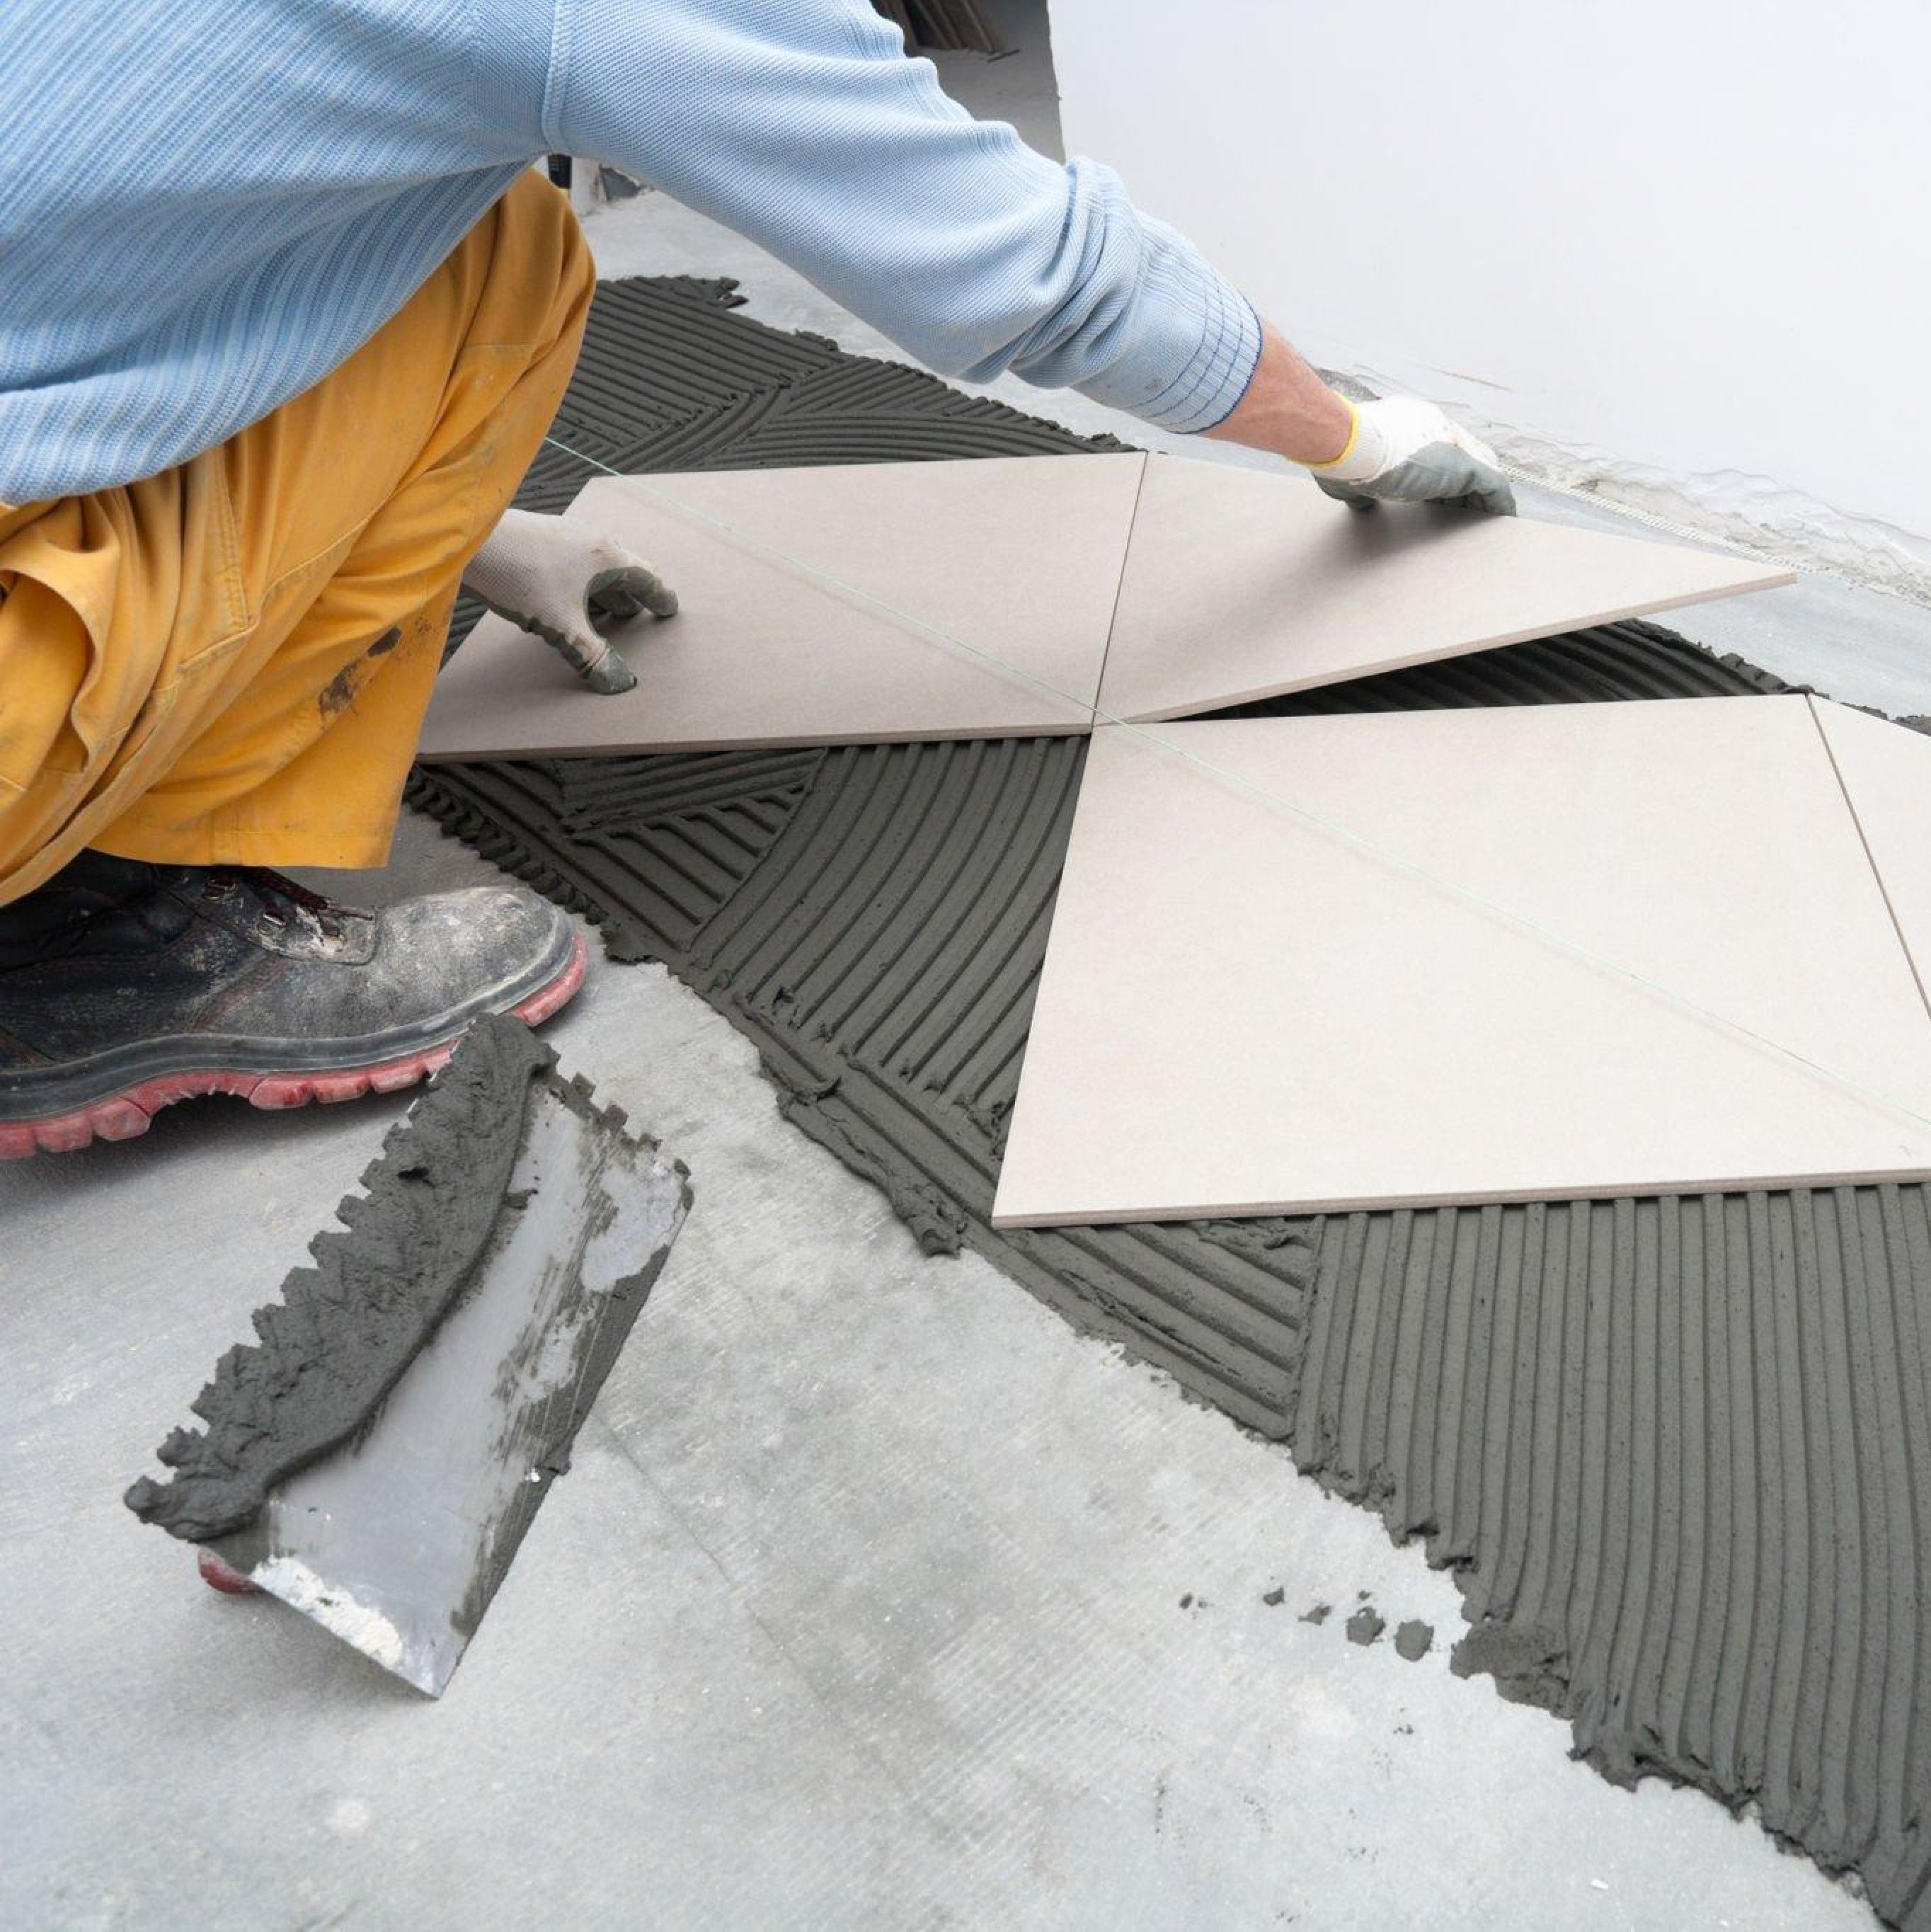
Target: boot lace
<point>282,900</point>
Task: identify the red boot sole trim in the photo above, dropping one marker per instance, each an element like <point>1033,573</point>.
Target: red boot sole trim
<point>223,1576</point>
<point>122,1116</point>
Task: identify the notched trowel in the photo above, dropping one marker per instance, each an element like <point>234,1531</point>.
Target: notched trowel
<point>375,1460</point>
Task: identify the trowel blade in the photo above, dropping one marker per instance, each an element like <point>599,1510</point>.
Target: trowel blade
<point>397,1541</point>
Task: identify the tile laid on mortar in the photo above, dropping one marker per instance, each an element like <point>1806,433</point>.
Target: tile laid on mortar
<point>1241,584</point>
<point>1886,770</point>
<point>1562,964</point>
<point>1019,559</point>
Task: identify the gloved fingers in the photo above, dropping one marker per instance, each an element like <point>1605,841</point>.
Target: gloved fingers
<point>1406,451</point>
<point>1495,496</point>
<point>589,655</point>
<point>611,603</point>
<point>621,592</point>
<point>578,645</point>
<point>1446,473</point>
<point>567,585</point>
<point>1466,472</point>
<point>1441,472</point>
<point>1346,493</point>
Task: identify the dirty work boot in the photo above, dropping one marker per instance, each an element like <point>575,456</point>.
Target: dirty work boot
<point>125,987</point>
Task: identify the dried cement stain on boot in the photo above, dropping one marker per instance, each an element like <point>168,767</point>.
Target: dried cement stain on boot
<point>1672,1450</point>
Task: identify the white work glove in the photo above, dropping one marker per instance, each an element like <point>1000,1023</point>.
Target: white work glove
<point>566,584</point>
<point>1405,451</point>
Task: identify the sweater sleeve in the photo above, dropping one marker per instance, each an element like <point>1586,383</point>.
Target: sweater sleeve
<point>802,124</point>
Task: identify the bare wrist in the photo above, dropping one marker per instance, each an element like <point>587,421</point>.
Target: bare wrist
<point>1288,410</point>
<point>1329,432</point>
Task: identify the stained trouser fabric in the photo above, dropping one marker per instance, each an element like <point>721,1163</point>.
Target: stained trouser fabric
<point>228,663</point>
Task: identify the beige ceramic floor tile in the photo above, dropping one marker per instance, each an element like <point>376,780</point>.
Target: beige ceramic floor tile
<point>1019,557</point>
<point>1241,584</point>
<point>1886,771</point>
<point>1243,1013</point>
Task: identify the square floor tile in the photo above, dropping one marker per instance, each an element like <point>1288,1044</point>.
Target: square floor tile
<point>1242,584</point>
<point>1886,771</point>
<point>1551,951</point>
<point>830,605</point>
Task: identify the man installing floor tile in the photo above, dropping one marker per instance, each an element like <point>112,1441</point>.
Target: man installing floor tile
<point>252,450</point>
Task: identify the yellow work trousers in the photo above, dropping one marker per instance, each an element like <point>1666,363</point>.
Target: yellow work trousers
<point>228,663</point>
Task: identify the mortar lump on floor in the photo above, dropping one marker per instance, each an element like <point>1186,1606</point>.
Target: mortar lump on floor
<point>1677,1451</point>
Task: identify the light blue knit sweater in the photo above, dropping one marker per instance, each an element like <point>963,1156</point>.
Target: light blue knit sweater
<point>206,205</point>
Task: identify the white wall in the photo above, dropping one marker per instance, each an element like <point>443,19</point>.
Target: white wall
<point>1681,244</point>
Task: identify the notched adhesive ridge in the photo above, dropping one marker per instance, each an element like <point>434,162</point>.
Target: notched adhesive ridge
<point>331,1350</point>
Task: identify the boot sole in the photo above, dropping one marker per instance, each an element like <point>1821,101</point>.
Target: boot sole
<point>126,1115</point>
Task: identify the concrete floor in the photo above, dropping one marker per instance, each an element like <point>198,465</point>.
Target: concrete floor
<point>862,1606</point>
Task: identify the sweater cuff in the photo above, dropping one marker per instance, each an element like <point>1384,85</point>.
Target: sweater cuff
<point>1204,324</point>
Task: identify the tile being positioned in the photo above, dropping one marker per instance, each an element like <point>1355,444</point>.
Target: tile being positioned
<point>1009,596</point>
<point>1242,584</point>
<point>789,581</point>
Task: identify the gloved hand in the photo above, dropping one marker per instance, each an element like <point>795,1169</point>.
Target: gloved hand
<point>1405,451</point>
<point>564,584</point>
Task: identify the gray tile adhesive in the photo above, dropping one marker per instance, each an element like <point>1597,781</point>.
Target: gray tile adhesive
<point>330,1351</point>
<point>1676,1452</point>
<point>1365,1626</point>
<point>452,1192</point>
